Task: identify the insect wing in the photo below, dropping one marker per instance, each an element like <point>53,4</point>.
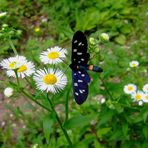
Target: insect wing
<point>80,85</point>
<point>79,49</point>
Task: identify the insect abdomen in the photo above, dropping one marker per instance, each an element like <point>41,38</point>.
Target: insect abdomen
<point>92,68</point>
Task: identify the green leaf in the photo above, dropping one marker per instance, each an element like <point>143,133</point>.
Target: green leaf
<point>121,39</point>
<point>47,127</point>
<point>103,131</point>
<point>79,121</point>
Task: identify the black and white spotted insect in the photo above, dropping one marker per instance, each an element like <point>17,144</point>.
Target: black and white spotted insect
<point>79,67</point>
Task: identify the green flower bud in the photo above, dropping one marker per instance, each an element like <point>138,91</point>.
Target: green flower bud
<point>4,25</point>
<point>104,37</point>
<point>92,41</point>
<point>97,49</point>
<point>19,32</point>
<point>2,14</point>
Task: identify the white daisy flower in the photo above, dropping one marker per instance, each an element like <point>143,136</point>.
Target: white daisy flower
<point>145,98</point>
<point>130,88</point>
<point>145,88</point>
<point>50,80</point>
<point>138,96</point>
<point>26,69</point>
<point>13,62</point>
<point>8,92</point>
<point>134,64</point>
<point>53,55</point>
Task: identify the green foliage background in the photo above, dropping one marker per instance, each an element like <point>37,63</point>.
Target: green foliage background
<point>118,122</point>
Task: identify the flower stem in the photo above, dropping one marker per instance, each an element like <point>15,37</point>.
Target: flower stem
<point>66,105</point>
<point>16,74</point>
<point>60,123</point>
<point>32,98</point>
<point>13,47</point>
<point>107,90</point>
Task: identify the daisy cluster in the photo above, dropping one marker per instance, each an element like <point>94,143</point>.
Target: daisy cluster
<point>140,96</point>
<point>47,79</point>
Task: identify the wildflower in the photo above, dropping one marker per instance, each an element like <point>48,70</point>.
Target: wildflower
<point>145,88</point>
<point>26,69</point>
<point>2,14</point>
<point>104,37</point>
<point>130,88</point>
<point>50,80</point>
<point>53,55</point>
<point>92,41</point>
<point>8,92</point>
<point>12,62</point>
<point>134,64</point>
<point>37,29</point>
<point>138,96</point>
<point>145,97</point>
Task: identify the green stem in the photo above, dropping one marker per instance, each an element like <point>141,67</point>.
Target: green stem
<point>13,47</point>
<point>60,123</point>
<point>32,98</point>
<point>107,90</point>
<point>17,78</point>
<point>66,106</point>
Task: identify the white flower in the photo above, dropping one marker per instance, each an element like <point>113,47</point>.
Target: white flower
<point>26,69</point>
<point>130,88</point>
<point>145,88</point>
<point>53,55</point>
<point>13,62</point>
<point>50,80</point>
<point>145,97</point>
<point>134,64</point>
<point>138,96</point>
<point>104,37</point>
<point>2,14</point>
<point>8,92</point>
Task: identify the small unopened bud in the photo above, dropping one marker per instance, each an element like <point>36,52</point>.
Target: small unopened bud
<point>2,14</point>
<point>4,25</point>
<point>8,92</point>
<point>97,49</point>
<point>104,37</point>
<point>140,103</point>
<point>92,41</point>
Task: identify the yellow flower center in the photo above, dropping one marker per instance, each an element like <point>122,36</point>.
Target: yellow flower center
<point>22,68</point>
<point>134,65</point>
<point>50,79</point>
<point>53,55</point>
<point>138,97</point>
<point>12,65</point>
<point>146,97</point>
<point>130,88</point>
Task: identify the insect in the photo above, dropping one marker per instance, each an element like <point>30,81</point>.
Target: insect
<point>79,66</point>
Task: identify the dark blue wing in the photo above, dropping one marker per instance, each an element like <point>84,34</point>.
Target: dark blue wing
<point>80,85</point>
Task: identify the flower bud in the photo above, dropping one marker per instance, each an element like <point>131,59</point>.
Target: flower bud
<point>2,14</point>
<point>97,49</point>
<point>104,37</point>
<point>92,41</point>
<point>8,92</point>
